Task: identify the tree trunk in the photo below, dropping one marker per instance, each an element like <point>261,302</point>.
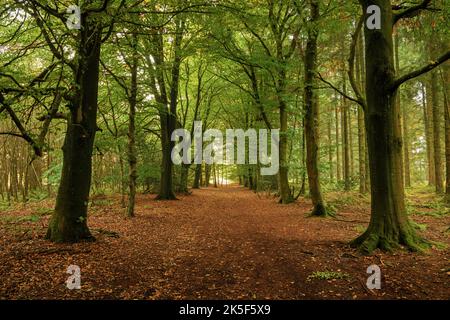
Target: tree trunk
<point>402,109</point>
<point>214,175</point>
<point>303,183</point>
<point>389,225</point>
<point>406,162</point>
<point>166,183</point>
<point>428,117</point>
<point>437,133</point>
<point>198,175</point>
<point>184,178</point>
<point>350,142</point>
<point>123,183</point>
<point>338,151</point>
<point>312,114</point>
<point>345,142</point>
<point>168,110</point>
<point>330,146</point>
<point>445,77</point>
<point>283,173</point>
<point>361,151</point>
<point>132,156</point>
<point>207,174</point>
<point>69,220</point>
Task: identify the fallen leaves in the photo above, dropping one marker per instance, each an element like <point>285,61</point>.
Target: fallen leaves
<point>214,244</point>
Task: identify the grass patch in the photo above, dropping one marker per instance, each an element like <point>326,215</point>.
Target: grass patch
<point>424,201</point>
<point>439,245</point>
<point>418,226</point>
<point>4,206</point>
<point>339,200</point>
<point>101,202</point>
<point>44,211</point>
<point>13,219</point>
<point>328,275</point>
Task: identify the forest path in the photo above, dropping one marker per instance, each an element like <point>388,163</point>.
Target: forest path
<point>217,243</point>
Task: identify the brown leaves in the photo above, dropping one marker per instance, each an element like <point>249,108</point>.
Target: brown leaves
<point>217,243</point>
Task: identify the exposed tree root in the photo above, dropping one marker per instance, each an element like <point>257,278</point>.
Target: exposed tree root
<point>166,197</point>
<point>320,210</point>
<point>68,235</point>
<point>287,201</point>
<point>373,239</point>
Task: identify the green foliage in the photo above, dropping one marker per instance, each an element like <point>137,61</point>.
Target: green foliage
<point>101,202</point>
<point>53,174</point>
<point>421,202</point>
<point>4,206</point>
<point>81,219</point>
<point>15,219</point>
<point>38,195</point>
<point>439,245</point>
<point>43,211</point>
<point>328,275</point>
<point>331,209</point>
<point>340,200</point>
<point>418,226</point>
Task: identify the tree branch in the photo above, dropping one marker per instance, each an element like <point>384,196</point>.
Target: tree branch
<point>351,63</point>
<point>411,11</point>
<point>24,134</point>
<point>399,81</point>
<point>339,91</point>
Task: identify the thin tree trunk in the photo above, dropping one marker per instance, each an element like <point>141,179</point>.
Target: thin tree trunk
<point>330,146</point>
<point>404,122</point>
<point>123,184</point>
<point>303,183</point>
<point>437,133</point>
<point>312,114</point>
<point>207,174</point>
<point>214,175</point>
<point>198,175</point>
<point>345,142</point>
<point>338,151</point>
<point>428,117</point>
<point>446,84</point>
<point>362,150</point>
<point>283,173</point>
<point>350,142</point>
<point>132,156</point>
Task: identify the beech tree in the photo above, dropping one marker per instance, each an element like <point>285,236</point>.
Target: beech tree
<point>389,225</point>
<point>69,220</point>
<point>312,113</point>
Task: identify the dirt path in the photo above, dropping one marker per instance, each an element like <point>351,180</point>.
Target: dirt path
<point>217,243</point>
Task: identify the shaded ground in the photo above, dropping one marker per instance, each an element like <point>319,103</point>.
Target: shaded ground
<point>224,243</point>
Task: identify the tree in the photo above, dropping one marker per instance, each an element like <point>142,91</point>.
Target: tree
<point>389,225</point>
<point>312,113</point>
<point>69,220</point>
<point>132,156</point>
<point>436,117</point>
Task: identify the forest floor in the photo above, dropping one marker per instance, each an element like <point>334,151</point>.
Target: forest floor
<point>226,243</point>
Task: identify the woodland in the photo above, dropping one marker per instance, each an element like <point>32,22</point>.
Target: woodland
<point>92,90</point>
